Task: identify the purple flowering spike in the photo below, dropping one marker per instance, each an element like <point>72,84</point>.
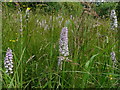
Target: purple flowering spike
<point>8,62</point>
<point>113,18</point>
<point>113,57</point>
<point>63,46</point>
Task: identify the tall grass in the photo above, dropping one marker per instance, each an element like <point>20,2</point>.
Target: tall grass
<point>36,53</point>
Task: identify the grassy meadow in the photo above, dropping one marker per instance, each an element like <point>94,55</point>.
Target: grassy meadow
<point>36,50</point>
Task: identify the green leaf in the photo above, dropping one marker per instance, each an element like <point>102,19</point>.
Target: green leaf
<point>90,61</point>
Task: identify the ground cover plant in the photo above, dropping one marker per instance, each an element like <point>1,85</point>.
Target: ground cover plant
<point>32,35</point>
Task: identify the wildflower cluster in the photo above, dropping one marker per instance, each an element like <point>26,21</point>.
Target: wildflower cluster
<point>113,57</point>
<point>8,62</point>
<point>113,18</point>
<point>110,77</point>
<point>28,9</point>
<point>27,13</point>
<point>13,40</point>
<point>63,46</point>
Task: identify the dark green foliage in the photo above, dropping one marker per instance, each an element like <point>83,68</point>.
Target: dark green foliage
<point>49,8</point>
<point>103,9</point>
<point>118,11</point>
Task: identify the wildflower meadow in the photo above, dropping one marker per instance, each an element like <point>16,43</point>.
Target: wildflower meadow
<point>65,45</point>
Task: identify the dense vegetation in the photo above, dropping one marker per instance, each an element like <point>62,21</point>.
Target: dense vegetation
<point>65,7</point>
<point>36,47</point>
